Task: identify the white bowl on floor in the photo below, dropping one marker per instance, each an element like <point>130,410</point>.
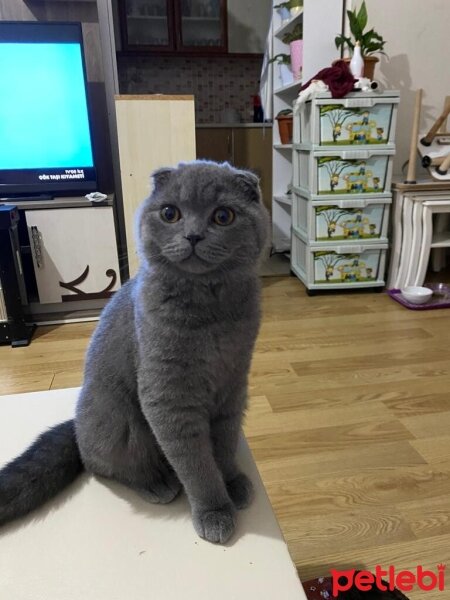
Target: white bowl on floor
<point>417,294</point>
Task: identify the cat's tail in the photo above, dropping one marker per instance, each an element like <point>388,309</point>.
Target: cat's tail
<point>50,464</point>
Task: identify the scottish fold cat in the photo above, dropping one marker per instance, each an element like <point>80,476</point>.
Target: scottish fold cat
<point>166,370</point>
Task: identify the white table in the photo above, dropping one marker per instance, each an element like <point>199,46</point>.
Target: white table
<point>100,541</point>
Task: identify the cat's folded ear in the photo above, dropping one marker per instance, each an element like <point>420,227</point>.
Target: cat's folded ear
<point>161,177</point>
<point>249,183</point>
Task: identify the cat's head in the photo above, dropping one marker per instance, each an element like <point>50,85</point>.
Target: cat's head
<point>203,217</point>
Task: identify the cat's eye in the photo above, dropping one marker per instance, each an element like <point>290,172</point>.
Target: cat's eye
<point>170,214</point>
<point>223,216</point>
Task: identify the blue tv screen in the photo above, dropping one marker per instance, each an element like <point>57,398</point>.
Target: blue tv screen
<point>45,135</point>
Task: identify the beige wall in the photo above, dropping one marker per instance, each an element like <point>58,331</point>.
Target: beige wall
<point>418,45</point>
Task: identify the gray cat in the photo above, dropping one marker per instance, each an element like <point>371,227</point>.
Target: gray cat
<point>166,371</point>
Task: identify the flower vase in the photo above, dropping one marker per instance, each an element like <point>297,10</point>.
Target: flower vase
<point>296,48</point>
<point>285,74</point>
<point>284,13</point>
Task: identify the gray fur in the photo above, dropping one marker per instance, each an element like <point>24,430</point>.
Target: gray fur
<point>53,458</point>
<point>166,371</point>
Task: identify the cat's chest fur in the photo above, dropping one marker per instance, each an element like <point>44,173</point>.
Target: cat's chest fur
<point>206,330</point>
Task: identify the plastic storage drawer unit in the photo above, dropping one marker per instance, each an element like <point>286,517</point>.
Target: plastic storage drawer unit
<point>338,266</point>
<point>359,221</point>
<point>330,174</point>
<point>357,119</point>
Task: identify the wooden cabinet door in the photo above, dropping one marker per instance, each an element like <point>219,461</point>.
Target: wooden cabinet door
<point>74,253</point>
<point>147,25</point>
<point>214,144</point>
<point>201,26</point>
<point>252,149</point>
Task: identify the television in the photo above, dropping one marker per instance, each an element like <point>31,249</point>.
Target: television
<point>45,131</point>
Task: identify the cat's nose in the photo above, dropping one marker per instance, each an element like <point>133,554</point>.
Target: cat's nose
<point>194,239</point>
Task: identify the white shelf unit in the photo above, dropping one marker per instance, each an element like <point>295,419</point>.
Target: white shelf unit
<point>322,21</point>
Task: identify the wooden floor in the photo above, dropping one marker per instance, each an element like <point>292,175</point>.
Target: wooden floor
<point>349,423</point>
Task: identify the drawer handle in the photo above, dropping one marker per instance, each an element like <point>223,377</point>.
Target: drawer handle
<point>349,249</point>
<point>352,204</point>
<point>36,241</point>
<point>355,154</point>
<point>359,103</point>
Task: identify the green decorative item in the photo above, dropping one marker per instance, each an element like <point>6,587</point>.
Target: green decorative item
<point>281,59</point>
<point>295,34</point>
<point>286,112</point>
<point>370,41</point>
<point>295,6</point>
<point>289,4</point>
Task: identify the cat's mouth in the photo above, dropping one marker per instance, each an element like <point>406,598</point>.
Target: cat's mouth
<point>199,262</point>
<point>195,256</point>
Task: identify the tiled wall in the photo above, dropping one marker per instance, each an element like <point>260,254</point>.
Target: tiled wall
<point>217,83</point>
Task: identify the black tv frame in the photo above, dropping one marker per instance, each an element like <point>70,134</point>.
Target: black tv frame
<point>49,31</point>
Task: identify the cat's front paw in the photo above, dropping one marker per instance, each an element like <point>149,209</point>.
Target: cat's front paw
<point>240,490</point>
<point>216,526</point>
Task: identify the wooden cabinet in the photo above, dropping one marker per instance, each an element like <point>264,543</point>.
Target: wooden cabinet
<point>74,253</point>
<point>244,147</point>
<point>174,26</point>
<point>214,143</point>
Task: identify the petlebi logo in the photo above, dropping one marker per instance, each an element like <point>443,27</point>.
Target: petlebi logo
<point>388,579</point>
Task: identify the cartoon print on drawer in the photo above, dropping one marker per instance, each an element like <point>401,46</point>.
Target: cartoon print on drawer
<point>331,267</point>
<point>335,223</point>
<point>351,176</point>
<point>342,126</point>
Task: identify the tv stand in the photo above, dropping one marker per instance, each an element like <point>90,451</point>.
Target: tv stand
<point>69,251</point>
<point>13,329</point>
<point>30,198</point>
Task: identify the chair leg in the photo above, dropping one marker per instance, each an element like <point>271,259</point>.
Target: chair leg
<point>416,243</point>
<point>397,233</point>
<point>406,242</point>
<point>427,222</point>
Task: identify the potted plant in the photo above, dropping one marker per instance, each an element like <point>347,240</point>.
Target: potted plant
<point>295,40</point>
<point>370,41</point>
<point>289,9</point>
<point>295,7</point>
<point>285,122</point>
<point>284,68</point>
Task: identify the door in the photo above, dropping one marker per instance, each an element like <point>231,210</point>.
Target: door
<point>201,25</point>
<point>214,143</point>
<point>253,150</point>
<point>74,253</point>
<point>147,25</point>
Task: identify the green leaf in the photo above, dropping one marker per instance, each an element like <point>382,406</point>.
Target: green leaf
<point>362,16</point>
<point>366,39</point>
<point>284,59</point>
<point>354,25</point>
<point>342,41</point>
